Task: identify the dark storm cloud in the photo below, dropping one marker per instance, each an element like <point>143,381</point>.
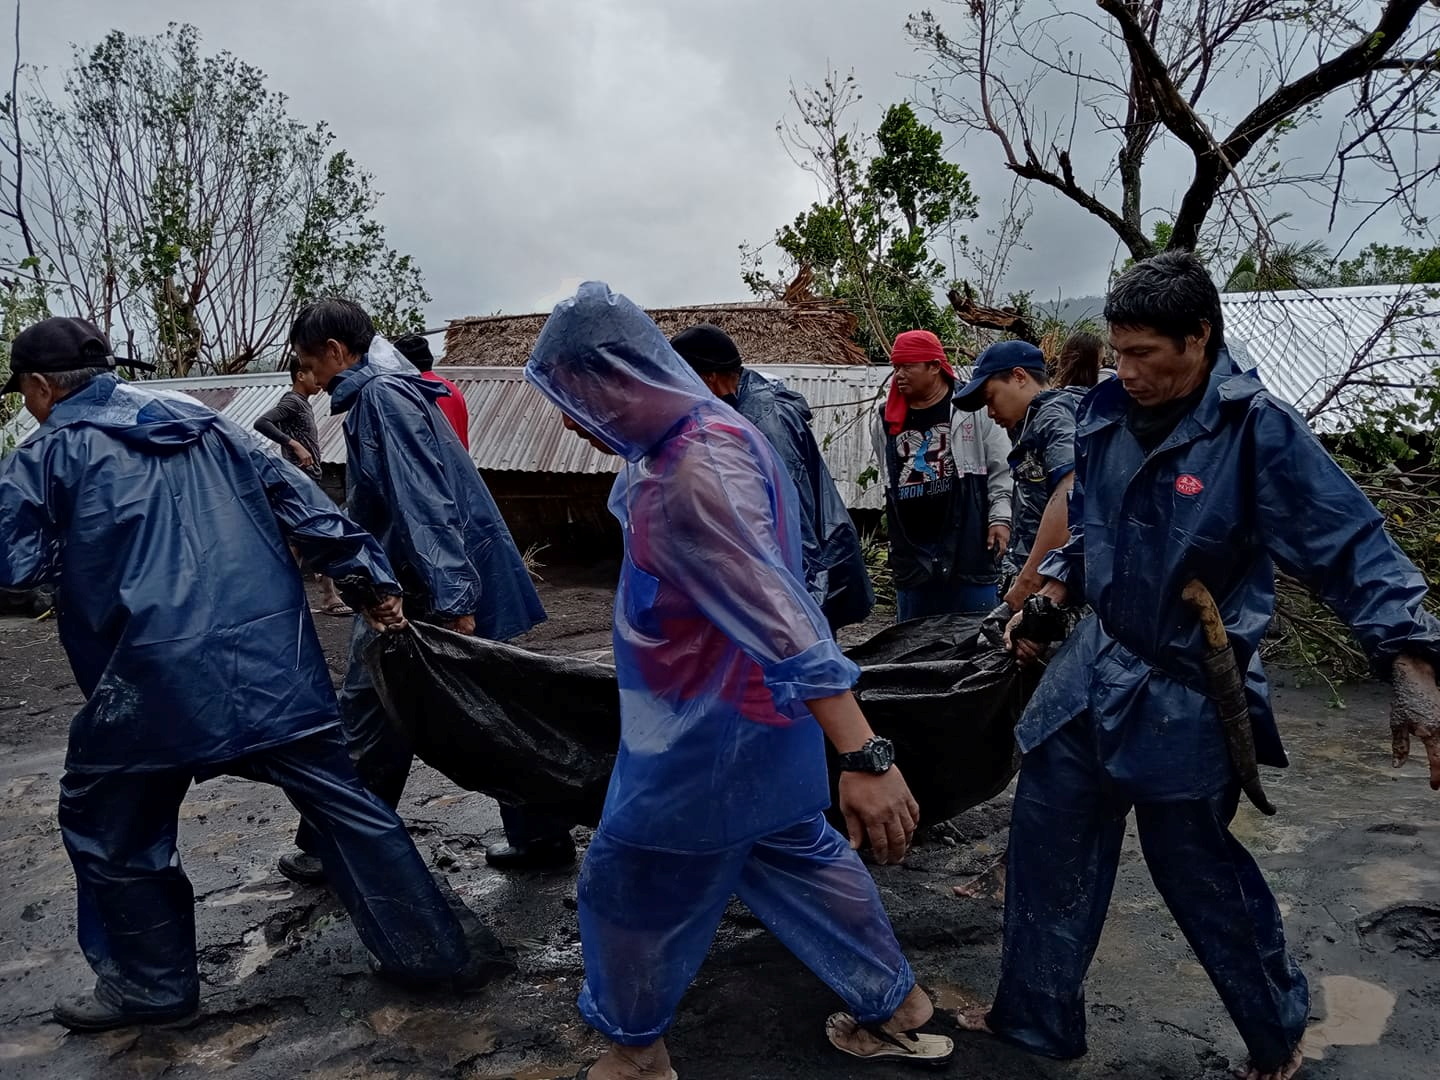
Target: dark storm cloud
<point>524,146</point>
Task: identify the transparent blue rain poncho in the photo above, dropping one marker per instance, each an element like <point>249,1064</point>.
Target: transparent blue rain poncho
<point>717,644</point>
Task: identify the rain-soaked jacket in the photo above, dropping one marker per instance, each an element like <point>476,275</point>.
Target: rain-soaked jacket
<point>718,646</point>
<point>411,484</point>
<point>165,527</point>
<point>1043,456</point>
<point>1241,485</point>
<point>834,565</point>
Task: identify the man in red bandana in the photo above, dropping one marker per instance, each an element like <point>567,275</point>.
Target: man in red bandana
<point>947,486</point>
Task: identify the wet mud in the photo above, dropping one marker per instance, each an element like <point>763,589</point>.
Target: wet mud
<point>1354,858</point>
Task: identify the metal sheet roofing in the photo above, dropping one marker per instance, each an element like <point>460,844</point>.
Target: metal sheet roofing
<point>1304,341</point>
<point>1301,341</point>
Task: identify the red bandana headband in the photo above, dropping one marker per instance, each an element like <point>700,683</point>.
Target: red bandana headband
<point>912,347</point>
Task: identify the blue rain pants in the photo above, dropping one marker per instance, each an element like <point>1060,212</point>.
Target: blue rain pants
<point>379,751</point>
<point>1066,832</point>
<point>952,598</point>
<point>647,918</point>
<point>136,908</point>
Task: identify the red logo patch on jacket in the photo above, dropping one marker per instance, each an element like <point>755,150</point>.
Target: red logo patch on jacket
<point>1188,485</point>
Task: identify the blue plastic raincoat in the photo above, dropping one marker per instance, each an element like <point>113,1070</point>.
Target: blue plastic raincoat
<point>1240,486</point>
<point>183,661</point>
<point>717,643</point>
<point>834,564</point>
<point>413,486</point>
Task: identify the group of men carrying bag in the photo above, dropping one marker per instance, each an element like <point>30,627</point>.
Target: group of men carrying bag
<point>169,532</point>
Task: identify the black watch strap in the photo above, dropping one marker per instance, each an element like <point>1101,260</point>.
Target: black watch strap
<point>876,756</point>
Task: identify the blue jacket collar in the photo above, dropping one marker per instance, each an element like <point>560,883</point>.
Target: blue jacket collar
<point>381,360</point>
<point>1108,404</point>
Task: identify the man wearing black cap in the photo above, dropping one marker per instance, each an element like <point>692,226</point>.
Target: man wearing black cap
<point>165,529</point>
<point>835,573</point>
<point>1010,383</point>
<point>417,350</point>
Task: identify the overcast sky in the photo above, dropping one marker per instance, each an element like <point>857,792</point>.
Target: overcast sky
<point>525,145</point>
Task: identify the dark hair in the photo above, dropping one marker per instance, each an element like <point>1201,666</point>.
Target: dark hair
<point>1171,294</point>
<point>342,320</point>
<point>1079,361</point>
<point>415,349</point>
<point>294,366</point>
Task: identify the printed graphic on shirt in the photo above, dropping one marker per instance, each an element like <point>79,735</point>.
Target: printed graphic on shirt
<point>926,467</point>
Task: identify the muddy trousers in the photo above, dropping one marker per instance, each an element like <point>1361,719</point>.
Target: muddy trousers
<point>1066,832</point>
<point>647,919</point>
<point>136,908</point>
<point>381,754</point>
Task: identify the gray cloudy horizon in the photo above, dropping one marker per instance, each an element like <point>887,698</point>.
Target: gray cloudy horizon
<point>524,147</point>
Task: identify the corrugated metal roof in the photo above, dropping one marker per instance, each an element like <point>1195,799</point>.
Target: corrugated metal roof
<point>1304,341</point>
<point>1301,342</point>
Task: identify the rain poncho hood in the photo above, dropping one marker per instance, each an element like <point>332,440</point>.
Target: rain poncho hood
<point>413,486</point>
<point>718,646</point>
<point>1239,487</point>
<point>165,528</point>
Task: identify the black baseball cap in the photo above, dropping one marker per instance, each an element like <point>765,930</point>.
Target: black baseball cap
<point>60,345</point>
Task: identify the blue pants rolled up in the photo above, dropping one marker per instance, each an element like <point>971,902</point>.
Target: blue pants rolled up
<point>647,919</point>
<point>1066,832</point>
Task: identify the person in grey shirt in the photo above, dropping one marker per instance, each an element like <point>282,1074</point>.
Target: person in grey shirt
<point>291,424</point>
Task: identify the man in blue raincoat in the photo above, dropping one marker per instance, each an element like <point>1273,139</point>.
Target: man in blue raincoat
<point>834,564</point>
<point>729,684</point>
<point>1186,470</point>
<point>165,529</point>
<point>411,485</point>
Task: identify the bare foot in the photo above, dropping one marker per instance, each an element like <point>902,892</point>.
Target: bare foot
<point>1285,1072</point>
<point>973,1018</point>
<point>634,1063</point>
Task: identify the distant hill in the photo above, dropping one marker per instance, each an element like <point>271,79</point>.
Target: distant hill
<point>1074,309</point>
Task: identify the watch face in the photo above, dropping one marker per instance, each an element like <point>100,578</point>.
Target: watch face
<point>882,754</point>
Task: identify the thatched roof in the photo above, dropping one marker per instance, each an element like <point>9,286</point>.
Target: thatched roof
<point>771,332</point>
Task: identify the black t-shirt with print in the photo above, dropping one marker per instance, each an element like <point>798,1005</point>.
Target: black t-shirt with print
<point>924,486</point>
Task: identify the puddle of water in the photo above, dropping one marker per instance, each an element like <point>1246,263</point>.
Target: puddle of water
<point>1392,881</point>
<point>453,1038</point>
<point>257,952</point>
<point>1356,1014</point>
<point>948,997</point>
<point>45,1039</point>
<point>244,895</point>
<point>222,1051</point>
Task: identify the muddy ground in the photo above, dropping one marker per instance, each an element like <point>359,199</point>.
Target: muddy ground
<point>1354,856</point>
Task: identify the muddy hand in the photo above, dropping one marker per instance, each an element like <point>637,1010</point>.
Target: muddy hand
<point>386,615</point>
<point>1415,710</point>
<point>879,807</point>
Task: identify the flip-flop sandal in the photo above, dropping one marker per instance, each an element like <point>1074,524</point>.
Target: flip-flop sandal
<point>338,610</point>
<point>911,1047</point>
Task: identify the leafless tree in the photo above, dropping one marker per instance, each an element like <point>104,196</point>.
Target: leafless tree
<point>1150,77</point>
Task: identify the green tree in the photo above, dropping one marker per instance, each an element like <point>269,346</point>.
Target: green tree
<point>170,196</point>
<point>890,202</point>
<point>1281,267</point>
<point>1380,264</point>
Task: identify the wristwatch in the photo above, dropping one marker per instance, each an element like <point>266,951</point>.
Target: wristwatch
<point>876,756</point>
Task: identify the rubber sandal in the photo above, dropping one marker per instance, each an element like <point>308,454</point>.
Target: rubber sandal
<point>911,1047</point>
<point>338,609</point>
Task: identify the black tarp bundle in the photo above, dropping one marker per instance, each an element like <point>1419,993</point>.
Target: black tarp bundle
<point>542,731</point>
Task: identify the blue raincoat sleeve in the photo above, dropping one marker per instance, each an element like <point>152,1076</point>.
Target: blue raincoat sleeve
<point>1320,528</point>
<point>326,539</point>
<point>27,536</point>
<point>719,542</point>
<point>405,468</point>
